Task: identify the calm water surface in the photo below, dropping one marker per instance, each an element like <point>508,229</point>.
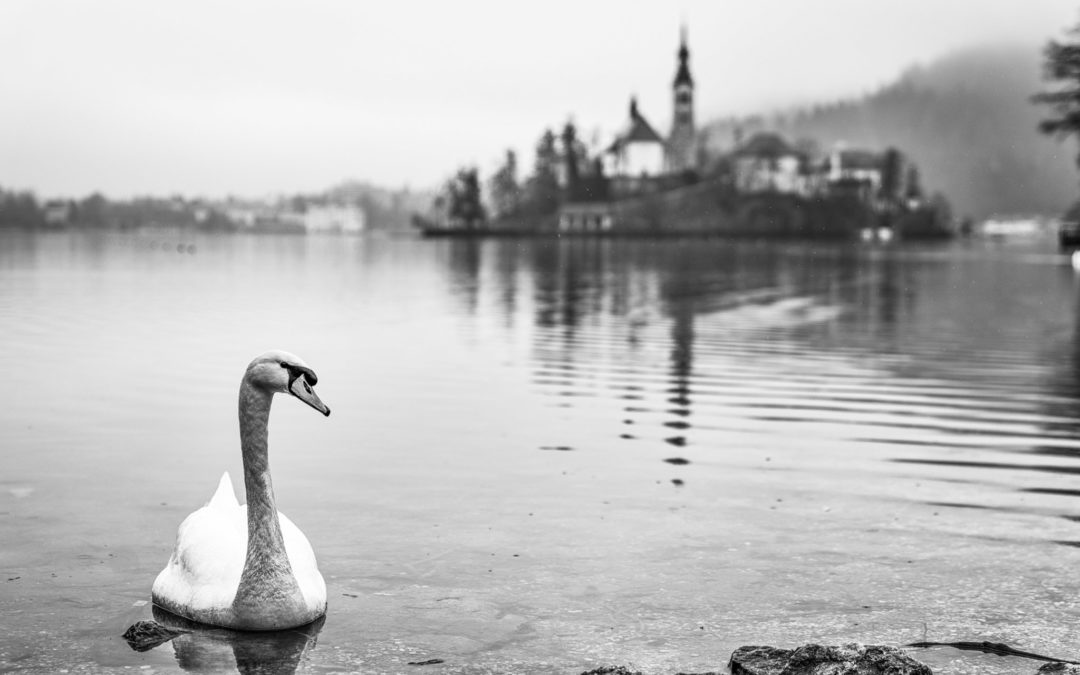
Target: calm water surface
<point>549,456</point>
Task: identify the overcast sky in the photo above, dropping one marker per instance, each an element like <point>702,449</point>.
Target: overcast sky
<point>251,98</point>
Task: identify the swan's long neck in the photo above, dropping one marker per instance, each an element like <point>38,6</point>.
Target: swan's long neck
<point>267,577</point>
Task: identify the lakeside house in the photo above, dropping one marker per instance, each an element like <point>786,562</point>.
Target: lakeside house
<point>57,212</point>
<point>333,217</point>
<point>768,163</point>
<point>296,215</point>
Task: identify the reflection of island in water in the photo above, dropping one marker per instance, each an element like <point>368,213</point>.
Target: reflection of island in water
<point>694,340</point>
<point>206,649</point>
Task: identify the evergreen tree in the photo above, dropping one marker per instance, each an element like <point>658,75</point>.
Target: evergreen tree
<point>504,189</point>
<point>570,159</point>
<point>466,206</point>
<point>20,209</point>
<point>93,210</point>
<point>542,188</point>
<point>1061,65</point>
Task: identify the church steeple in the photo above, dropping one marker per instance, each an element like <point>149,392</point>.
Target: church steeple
<point>682,76</point>
<point>681,140</point>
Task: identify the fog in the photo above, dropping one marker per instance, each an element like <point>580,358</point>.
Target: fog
<point>253,98</point>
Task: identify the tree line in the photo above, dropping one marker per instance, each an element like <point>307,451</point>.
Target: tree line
<point>21,209</point>
<point>563,169</point>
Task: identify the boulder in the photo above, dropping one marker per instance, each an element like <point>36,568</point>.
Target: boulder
<point>145,635</point>
<point>1059,669</point>
<point>811,659</point>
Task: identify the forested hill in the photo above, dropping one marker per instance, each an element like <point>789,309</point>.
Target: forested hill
<point>966,120</point>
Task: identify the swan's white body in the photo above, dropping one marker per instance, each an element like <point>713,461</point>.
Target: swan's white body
<point>203,573</point>
<point>248,567</point>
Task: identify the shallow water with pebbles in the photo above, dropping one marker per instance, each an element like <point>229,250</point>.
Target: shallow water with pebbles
<point>546,456</point>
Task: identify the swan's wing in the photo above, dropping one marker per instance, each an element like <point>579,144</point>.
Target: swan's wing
<point>208,558</point>
<point>224,497</point>
<point>302,560</point>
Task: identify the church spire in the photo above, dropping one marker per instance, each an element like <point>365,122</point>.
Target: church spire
<point>683,74</point>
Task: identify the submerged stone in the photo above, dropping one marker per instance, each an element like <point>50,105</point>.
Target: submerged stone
<point>849,659</point>
<point>145,635</point>
<point>1059,669</point>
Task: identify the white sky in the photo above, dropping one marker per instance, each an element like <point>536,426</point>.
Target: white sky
<point>214,97</point>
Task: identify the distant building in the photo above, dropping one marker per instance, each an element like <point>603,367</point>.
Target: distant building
<point>330,217</point>
<point>243,214</point>
<point>681,146</point>
<point>854,165</point>
<point>57,212</point>
<point>593,218</point>
<point>768,163</point>
<point>296,215</point>
<point>638,151</point>
<point>857,173</point>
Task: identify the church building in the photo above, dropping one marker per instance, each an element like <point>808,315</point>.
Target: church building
<point>639,152</point>
<point>640,160</point>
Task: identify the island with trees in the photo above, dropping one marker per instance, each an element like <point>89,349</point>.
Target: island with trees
<point>689,182</point>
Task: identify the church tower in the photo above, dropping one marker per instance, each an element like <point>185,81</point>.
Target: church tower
<point>680,146</point>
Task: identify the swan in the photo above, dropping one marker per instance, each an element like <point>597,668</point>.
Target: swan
<point>248,567</point>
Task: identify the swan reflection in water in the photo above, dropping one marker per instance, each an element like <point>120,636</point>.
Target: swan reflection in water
<point>208,649</point>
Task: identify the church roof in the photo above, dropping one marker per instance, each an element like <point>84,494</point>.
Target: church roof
<point>637,131</point>
<point>860,159</point>
<point>641,130</point>
<point>766,144</point>
<point>854,160</point>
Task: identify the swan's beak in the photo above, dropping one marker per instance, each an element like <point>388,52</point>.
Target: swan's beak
<point>303,391</point>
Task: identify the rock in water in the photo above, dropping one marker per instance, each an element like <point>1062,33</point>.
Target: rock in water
<point>145,635</point>
<point>849,659</point>
<point>1059,669</point>
<point>758,660</point>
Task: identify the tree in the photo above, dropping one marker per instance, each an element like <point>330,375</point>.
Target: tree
<point>1061,64</point>
<point>504,189</point>
<point>465,204</point>
<point>20,209</point>
<point>542,187</point>
<point>942,210</point>
<point>93,210</point>
<point>570,159</point>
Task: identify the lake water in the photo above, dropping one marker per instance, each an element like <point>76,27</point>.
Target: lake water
<point>547,456</point>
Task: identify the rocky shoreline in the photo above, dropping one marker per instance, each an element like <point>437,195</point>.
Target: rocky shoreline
<point>809,659</point>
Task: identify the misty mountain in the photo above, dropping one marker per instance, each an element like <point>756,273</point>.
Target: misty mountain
<point>967,122</point>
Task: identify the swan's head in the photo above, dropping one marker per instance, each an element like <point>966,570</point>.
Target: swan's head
<point>283,373</point>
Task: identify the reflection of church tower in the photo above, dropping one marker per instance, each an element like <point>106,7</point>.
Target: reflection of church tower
<point>680,146</point>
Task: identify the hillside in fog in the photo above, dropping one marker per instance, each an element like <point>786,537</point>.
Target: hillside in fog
<point>966,120</point>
